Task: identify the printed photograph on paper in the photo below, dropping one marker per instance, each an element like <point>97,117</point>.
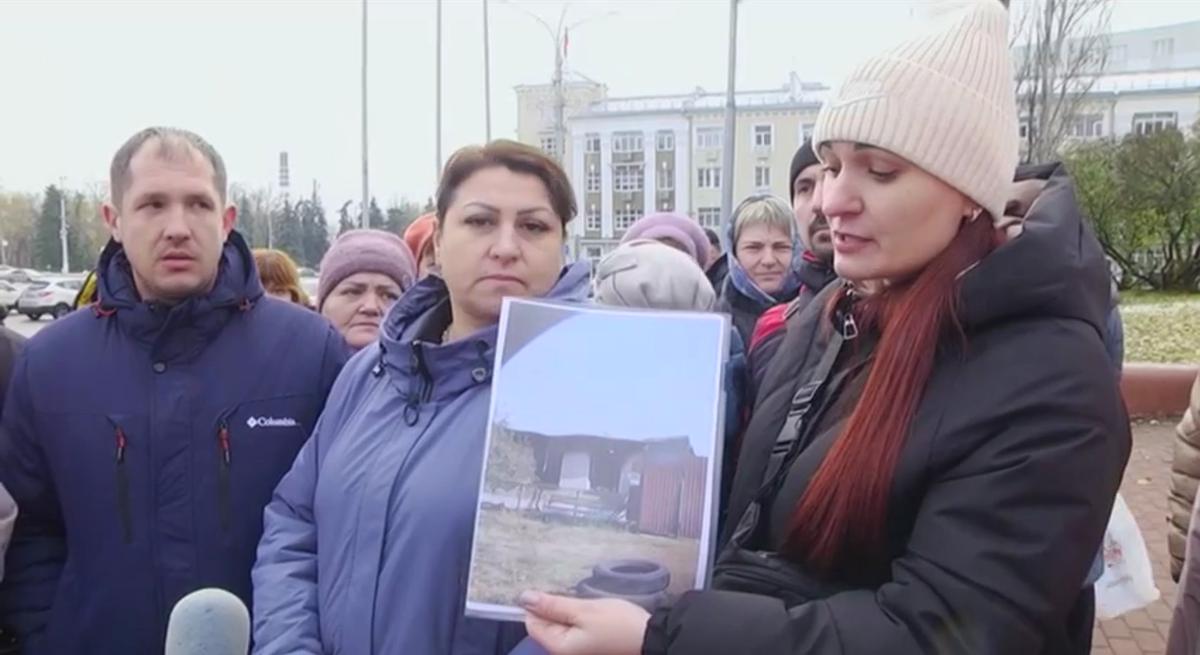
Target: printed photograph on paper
<point>603,455</point>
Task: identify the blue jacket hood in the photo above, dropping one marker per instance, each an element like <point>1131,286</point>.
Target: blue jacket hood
<point>183,329</point>
<point>454,366</point>
<point>740,280</point>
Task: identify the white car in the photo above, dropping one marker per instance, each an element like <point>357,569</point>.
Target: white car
<point>19,277</point>
<point>309,284</point>
<point>54,297</point>
<point>9,294</point>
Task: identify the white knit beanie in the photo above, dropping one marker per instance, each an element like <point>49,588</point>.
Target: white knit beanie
<point>652,275</point>
<point>943,100</point>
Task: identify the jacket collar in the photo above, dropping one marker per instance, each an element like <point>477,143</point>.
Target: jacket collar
<point>814,272</point>
<point>421,368</point>
<point>175,331</point>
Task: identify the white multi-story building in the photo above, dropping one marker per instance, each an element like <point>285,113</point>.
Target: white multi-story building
<point>628,157</point>
<point>1151,81</point>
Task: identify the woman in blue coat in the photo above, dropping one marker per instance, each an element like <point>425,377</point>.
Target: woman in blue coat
<point>367,540</point>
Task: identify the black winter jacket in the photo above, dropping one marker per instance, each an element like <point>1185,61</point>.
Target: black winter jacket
<point>11,344</point>
<point>1002,490</point>
<point>815,274</point>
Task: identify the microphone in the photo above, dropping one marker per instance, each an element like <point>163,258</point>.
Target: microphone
<point>209,622</point>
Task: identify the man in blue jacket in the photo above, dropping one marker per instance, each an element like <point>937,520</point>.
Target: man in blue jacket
<point>143,437</point>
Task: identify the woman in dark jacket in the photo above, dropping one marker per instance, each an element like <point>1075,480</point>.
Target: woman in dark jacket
<point>764,261</point>
<point>933,455</point>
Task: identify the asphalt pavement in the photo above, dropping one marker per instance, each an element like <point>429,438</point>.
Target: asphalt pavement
<point>22,325</point>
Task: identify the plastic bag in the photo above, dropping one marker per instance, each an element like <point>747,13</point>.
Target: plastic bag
<point>1128,581</point>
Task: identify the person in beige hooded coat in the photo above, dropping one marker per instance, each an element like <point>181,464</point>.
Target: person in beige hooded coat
<point>1185,476</point>
<point>648,274</point>
<point>1184,538</point>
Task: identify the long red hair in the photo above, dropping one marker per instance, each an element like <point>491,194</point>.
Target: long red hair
<point>839,524</point>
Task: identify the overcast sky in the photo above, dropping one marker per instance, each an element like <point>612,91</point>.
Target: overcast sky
<point>257,77</point>
<point>644,376</point>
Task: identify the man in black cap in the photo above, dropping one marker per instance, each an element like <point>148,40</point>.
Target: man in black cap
<point>718,263</point>
<point>816,270</point>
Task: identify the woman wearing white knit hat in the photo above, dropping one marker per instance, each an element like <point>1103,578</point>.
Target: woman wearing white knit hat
<point>931,461</point>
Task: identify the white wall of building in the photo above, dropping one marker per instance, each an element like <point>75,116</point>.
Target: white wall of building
<point>605,127</point>
<point>1186,106</point>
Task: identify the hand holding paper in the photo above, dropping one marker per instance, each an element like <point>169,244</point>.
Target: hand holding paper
<point>570,626</point>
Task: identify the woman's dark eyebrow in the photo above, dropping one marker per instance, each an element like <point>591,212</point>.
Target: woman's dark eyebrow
<point>523,212</point>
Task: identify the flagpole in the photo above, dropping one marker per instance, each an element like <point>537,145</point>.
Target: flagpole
<point>438,94</point>
<point>487,76</point>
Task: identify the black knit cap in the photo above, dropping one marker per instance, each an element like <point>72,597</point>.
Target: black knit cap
<point>803,158</point>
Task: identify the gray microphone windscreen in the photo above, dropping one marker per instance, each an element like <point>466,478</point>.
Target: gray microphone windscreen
<point>208,622</point>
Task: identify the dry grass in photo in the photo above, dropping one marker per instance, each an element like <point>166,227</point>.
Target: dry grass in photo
<point>523,551</point>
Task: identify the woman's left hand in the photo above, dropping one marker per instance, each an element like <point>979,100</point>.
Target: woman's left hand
<point>571,626</point>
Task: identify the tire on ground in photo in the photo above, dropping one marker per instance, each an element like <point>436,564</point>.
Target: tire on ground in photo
<point>631,576</point>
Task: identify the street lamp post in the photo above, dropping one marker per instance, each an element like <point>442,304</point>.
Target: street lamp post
<point>487,77</point>
<point>62,227</point>
<point>438,98</point>
<point>558,34</point>
<point>365,190</point>
<point>729,139</point>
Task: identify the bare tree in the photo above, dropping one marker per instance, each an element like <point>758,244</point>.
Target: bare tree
<point>1060,49</point>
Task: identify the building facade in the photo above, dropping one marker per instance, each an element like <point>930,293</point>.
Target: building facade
<point>628,157</point>
<point>1151,81</point>
<point>536,109</point>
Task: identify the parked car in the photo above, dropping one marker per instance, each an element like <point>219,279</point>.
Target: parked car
<point>53,297</point>
<point>9,294</point>
<point>309,284</point>
<point>18,277</point>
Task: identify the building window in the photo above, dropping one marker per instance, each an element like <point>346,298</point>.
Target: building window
<point>1117,57</point>
<point>1087,126</point>
<point>627,177</point>
<point>806,131</point>
<point>624,218</point>
<point>708,138</point>
<point>1164,48</point>
<point>709,217</point>
<point>764,136</point>
<point>591,142</point>
<point>1151,122</point>
<point>665,140</point>
<point>593,180</point>
<point>627,142</point>
<point>593,218</point>
<point>665,180</point>
<point>668,205</point>
<point>708,178</point>
<point>593,253</point>
<point>762,176</point>
<point>550,146</point>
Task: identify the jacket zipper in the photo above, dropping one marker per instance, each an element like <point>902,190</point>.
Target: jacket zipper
<point>123,508</point>
<point>223,474</point>
<point>423,370</point>
<point>412,408</point>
